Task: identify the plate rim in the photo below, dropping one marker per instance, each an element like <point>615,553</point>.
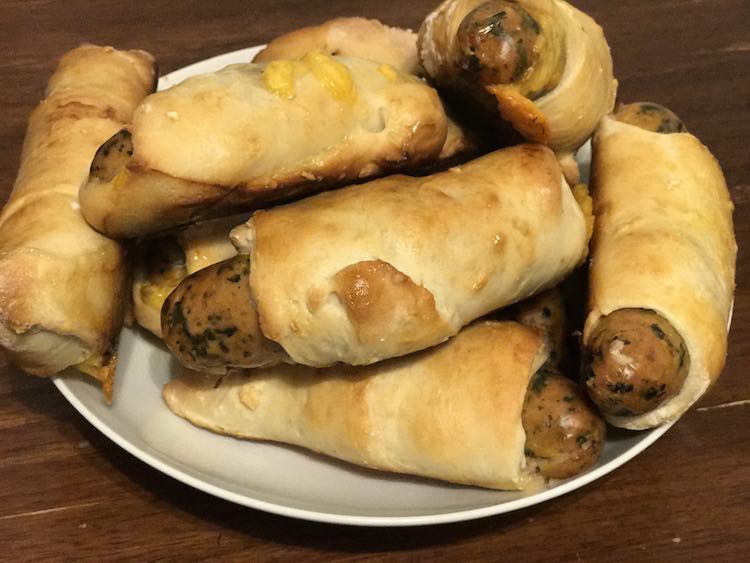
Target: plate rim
<point>648,436</point>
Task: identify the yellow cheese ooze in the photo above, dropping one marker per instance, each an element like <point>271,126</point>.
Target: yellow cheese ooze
<point>333,75</point>
<point>156,290</point>
<point>583,198</point>
<point>280,76</point>
<point>388,71</point>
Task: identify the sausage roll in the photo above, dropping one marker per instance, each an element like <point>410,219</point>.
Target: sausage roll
<point>370,39</point>
<point>251,134</point>
<point>389,267</point>
<point>662,270</point>
<point>459,412</point>
<point>528,63</point>
<point>61,282</point>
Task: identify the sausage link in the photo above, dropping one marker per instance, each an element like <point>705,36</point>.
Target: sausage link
<point>210,323</point>
<point>112,156</point>
<point>633,362</point>
<point>651,117</point>
<point>500,42</point>
<point>564,433</point>
<point>496,41</point>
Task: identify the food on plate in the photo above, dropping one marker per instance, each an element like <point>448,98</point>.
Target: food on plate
<point>662,270</point>
<point>542,66</point>
<point>252,134</point>
<point>351,37</point>
<point>209,321</point>
<point>651,117</point>
<point>546,312</point>
<point>393,266</point>
<point>455,412</point>
<point>163,262</point>
<point>564,432</point>
<point>370,39</point>
<point>62,284</point>
<point>636,360</point>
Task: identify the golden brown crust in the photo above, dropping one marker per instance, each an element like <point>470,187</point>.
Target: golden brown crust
<point>525,116</point>
<point>379,300</point>
<point>370,39</point>
<point>350,37</point>
<point>61,283</point>
<point>555,117</point>
<point>476,238</point>
<point>452,412</point>
<point>389,120</point>
<point>85,77</point>
<point>661,202</point>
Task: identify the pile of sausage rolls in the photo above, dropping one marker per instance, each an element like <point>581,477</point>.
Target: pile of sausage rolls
<point>368,242</point>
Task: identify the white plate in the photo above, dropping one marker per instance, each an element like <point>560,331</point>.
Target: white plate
<point>279,479</point>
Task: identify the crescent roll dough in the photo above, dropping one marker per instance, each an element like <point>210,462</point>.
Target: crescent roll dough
<point>350,37</point>
<point>401,264</point>
<point>664,241</point>
<point>61,282</point>
<point>370,39</point>
<point>250,134</point>
<point>563,117</point>
<point>451,412</point>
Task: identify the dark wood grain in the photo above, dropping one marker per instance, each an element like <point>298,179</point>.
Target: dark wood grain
<point>67,492</point>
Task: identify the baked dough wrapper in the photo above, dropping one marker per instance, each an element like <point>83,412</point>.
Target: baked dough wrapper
<point>62,284</point>
<point>371,39</point>
<point>563,118</point>
<point>452,412</point>
<point>221,143</point>
<point>401,264</point>
<point>663,240</point>
<point>351,37</point>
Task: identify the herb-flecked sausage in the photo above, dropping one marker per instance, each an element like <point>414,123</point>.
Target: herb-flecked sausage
<point>112,156</point>
<point>501,42</point>
<point>208,325</point>
<point>496,42</point>
<point>634,361</point>
<point>651,117</point>
<point>564,433</point>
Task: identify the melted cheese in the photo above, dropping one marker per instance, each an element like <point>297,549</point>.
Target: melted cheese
<point>158,287</point>
<point>388,71</point>
<point>333,75</point>
<point>583,198</point>
<point>280,77</point>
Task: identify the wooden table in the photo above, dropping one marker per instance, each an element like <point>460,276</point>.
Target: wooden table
<point>68,492</point>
